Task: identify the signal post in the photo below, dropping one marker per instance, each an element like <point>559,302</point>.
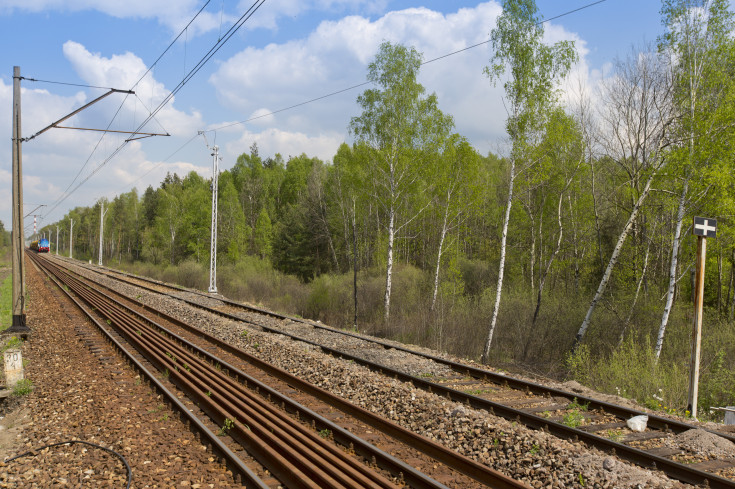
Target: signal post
<point>703,228</point>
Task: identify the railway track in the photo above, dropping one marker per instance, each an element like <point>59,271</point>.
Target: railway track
<point>598,424</point>
<point>292,441</point>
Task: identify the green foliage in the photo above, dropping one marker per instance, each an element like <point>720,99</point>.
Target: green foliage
<point>6,302</point>
<point>534,67</point>
<point>573,418</point>
<point>631,371</point>
<point>13,342</point>
<point>23,387</point>
<point>227,425</point>
<point>717,387</point>
<point>292,231</point>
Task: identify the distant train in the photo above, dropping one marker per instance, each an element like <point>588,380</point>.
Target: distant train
<point>41,246</point>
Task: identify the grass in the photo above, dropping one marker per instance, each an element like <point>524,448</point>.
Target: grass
<point>6,302</point>
<point>226,426</point>
<point>13,342</point>
<point>23,387</point>
<point>614,435</point>
<point>478,392</point>
<point>459,324</point>
<point>573,418</point>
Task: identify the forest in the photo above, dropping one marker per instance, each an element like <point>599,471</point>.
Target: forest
<point>570,256</point>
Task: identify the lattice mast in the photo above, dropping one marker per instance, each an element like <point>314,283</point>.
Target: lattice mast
<point>213,241</point>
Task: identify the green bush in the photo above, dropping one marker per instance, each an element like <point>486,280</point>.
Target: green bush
<point>631,371</point>
<point>6,302</point>
<point>23,387</point>
<point>460,320</point>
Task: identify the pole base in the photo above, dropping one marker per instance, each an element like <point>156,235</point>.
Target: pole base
<point>19,326</point>
<point>213,290</point>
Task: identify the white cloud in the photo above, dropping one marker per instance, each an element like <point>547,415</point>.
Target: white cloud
<point>272,141</point>
<point>176,14</point>
<point>253,83</point>
<point>336,54</point>
<point>53,160</point>
<point>262,117</point>
<point>125,71</point>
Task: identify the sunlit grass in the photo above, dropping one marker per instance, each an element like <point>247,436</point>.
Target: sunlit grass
<point>6,295</point>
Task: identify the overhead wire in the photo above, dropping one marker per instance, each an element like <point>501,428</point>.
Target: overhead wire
<point>253,8</point>
<point>337,92</point>
<point>64,83</point>
<point>331,94</point>
<point>66,192</point>
<point>216,47</point>
<point>228,34</point>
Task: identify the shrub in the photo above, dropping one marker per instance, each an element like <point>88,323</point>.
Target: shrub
<point>23,387</point>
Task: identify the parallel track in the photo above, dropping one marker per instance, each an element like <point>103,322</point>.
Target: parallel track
<point>556,400</point>
<point>176,356</point>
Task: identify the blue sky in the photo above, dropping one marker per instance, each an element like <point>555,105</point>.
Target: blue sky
<point>288,52</point>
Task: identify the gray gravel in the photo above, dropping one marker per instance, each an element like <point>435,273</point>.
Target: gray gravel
<point>542,460</point>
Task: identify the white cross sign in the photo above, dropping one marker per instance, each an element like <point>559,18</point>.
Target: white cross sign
<point>705,227</point>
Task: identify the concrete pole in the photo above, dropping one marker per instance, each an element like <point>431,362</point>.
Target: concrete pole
<point>697,330</point>
<point>102,228</point>
<point>71,239</point>
<point>57,240</point>
<point>18,240</point>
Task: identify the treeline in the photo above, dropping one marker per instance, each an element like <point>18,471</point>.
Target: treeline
<point>4,236</point>
<point>581,235</point>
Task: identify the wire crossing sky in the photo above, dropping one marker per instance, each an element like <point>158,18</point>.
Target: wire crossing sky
<point>287,79</point>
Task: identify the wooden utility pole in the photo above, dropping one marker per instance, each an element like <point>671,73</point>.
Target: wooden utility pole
<point>18,239</point>
<point>703,228</point>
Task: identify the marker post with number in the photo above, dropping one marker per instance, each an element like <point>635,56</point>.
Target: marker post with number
<point>703,228</point>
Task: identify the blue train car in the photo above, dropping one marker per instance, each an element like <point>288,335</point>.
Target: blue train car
<point>41,246</point>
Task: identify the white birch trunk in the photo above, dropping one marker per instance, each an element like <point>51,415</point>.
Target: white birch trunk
<point>614,259</point>
<point>439,256</point>
<point>542,280</point>
<point>501,267</point>
<point>389,267</point>
<point>672,269</point>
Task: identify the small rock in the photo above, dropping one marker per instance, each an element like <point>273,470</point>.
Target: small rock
<point>608,463</point>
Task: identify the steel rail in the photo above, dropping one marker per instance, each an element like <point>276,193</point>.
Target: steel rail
<point>463,464</point>
<point>317,472</point>
<point>639,457</point>
<point>654,421</point>
<point>235,463</point>
<point>340,434</point>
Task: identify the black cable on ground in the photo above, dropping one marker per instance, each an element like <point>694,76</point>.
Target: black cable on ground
<point>35,451</point>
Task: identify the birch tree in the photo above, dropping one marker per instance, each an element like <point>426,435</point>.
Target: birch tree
<point>638,115</point>
<point>399,125</point>
<point>697,39</point>
<point>535,69</point>
<point>456,187</point>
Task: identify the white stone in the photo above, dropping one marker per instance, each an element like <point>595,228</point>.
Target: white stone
<point>13,367</point>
